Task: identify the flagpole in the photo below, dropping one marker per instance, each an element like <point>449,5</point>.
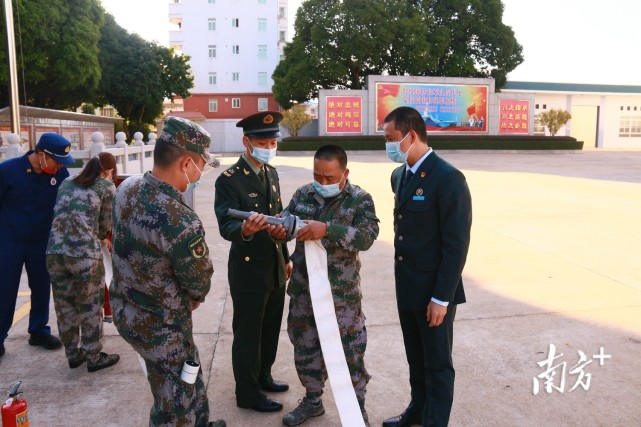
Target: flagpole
<point>14,99</point>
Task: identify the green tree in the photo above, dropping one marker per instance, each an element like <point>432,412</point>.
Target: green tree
<point>555,119</point>
<point>295,119</point>
<point>338,43</point>
<point>138,76</point>
<point>57,52</point>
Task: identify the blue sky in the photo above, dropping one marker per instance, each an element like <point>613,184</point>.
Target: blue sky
<point>568,41</point>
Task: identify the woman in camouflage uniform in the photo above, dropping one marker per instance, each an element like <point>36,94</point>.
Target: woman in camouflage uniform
<point>82,219</point>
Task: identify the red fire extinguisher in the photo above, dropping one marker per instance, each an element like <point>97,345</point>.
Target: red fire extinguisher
<point>14,410</point>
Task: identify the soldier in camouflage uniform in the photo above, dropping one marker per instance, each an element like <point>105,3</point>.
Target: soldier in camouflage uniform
<point>162,271</point>
<point>82,218</point>
<point>343,217</point>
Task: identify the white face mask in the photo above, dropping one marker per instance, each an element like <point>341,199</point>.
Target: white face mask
<point>394,152</point>
<point>329,190</point>
<point>262,155</point>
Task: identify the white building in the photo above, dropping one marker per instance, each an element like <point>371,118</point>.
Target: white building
<point>603,116</point>
<point>234,48</point>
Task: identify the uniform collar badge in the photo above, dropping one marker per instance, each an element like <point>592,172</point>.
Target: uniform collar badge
<point>53,181</point>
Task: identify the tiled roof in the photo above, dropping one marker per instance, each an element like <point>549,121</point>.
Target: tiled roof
<point>570,87</point>
<point>195,116</point>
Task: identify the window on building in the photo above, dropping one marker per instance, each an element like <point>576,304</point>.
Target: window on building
<point>281,36</point>
<point>235,103</point>
<point>212,78</point>
<point>213,105</point>
<point>262,24</point>
<point>235,49</point>
<point>235,76</point>
<point>281,12</point>
<point>263,104</point>
<point>262,79</point>
<point>539,128</point>
<point>212,50</point>
<point>211,24</point>
<point>545,106</point>
<point>630,127</point>
<point>262,51</point>
<point>235,22</point>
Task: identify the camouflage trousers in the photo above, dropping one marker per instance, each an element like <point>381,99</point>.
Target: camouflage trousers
<point>78,295</point>
<point>164,349</point>
<point>308,356</point>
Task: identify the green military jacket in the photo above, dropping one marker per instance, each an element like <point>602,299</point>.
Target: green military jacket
<point>352,226</point>
<point>82,218</point>
<point>250,261</point>
<point>160,260</point>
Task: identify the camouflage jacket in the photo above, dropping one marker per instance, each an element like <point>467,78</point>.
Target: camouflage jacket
<point>160,259</point>
<point>352,226</point>
<point>82,218</point>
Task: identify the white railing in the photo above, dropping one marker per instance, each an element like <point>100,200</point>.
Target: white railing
<point>131,159</point>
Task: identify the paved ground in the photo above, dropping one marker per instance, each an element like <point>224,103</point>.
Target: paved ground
<point>554,260</point>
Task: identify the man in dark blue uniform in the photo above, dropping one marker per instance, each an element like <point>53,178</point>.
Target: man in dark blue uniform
<point>28,189</point>
<point>258,263</point>
<point>432,222</point>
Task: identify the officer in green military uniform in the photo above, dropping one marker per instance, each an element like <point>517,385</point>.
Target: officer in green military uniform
<point>258,263</point>
<point>162,271</point>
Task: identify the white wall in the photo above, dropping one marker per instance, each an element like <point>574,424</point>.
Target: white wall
<point>195,37</point>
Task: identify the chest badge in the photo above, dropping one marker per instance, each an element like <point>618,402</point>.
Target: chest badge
<point>423,174</point>
<point>419,191</point>
<point>253,194</point>
<point>53,181</point>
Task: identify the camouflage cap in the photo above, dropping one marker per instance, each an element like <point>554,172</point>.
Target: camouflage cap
<point>188,135</point>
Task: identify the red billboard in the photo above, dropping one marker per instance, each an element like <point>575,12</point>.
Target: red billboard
<point>514,115</point>
<point>343,114</point>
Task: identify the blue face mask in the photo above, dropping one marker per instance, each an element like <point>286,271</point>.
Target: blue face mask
<point>263,155</point>
<point>394,152</point>
<point>329,190</point>
<point>192,185</point>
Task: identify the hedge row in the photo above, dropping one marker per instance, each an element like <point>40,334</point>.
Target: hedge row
<point>438,142</point>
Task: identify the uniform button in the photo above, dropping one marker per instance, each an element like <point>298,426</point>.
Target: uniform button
<point>256,204</point>
<point>400,258</point>
<point>400,216</point>
<point>246,258</point>
<point>400,237</point>
<point>270,206</point>
<point>276,245</point>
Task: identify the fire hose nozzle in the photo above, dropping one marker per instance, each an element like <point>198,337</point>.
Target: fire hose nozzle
<point>291,223</point>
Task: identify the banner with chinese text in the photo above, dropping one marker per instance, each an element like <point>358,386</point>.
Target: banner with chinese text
<point>445,108</point>
<point>343,114</point>
<point>514,116</point>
